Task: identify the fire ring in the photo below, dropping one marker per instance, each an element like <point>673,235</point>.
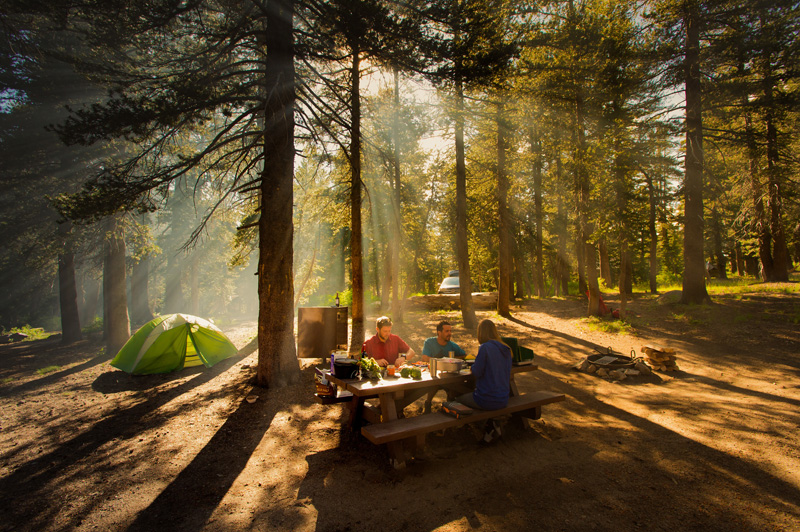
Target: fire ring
<point>611,360</point>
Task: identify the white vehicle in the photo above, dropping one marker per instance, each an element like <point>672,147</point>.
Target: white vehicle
<point>450,285</point>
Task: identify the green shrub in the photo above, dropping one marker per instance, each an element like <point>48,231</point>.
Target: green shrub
<point>34,333</point>
<point>96,325</point>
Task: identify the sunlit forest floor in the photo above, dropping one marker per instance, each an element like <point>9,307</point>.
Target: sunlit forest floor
<point>713,446</point>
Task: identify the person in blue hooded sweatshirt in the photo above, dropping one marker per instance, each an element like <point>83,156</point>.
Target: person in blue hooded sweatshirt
<point>492,371</point>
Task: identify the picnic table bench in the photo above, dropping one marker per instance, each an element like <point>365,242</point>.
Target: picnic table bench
<point>527,405</point>
<point>385,426</point>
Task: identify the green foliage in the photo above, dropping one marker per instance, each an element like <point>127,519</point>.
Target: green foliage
<point>47,369</point>
<point>94,326</point>
<point>345,298</point>
<point>34,333</point>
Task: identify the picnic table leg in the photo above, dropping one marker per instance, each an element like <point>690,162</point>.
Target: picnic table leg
<point>356,406</point>
<point>397,455</point>
<point>517,420</point>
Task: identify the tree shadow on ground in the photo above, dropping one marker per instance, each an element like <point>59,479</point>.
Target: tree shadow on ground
<point>33,481</point>
<point>115,381</point>
<point>20,360</point>
<point>191,498</point>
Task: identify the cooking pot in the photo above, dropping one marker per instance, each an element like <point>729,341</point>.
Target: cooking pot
<point>448,365</point>
<point>345,368</point>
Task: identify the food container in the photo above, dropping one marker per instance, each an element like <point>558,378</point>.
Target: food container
<point>345,368</point>
<point>449,365</point>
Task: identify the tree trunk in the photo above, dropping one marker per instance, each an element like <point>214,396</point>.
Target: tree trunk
<point>356,251</point>
<point>562,275</point>
<point>140,292</point>
<point>796,236</point>
<point>538,265</point>
<point>592,278</point>
<point>115,293</point>
<point>584,229</point>
<point>277,359</point>
<point>67,290</point>
<point>759,221</point>
<point>397,298</point>
<point>462,251</point>
<point>580,254</point>
<point>624,277</point>
<point>740,267</point>
<point>719,255</point>
<point>694,286</point>
<point>504,254</point>
<point>621,189</point>
<point>605,264</point>
<point>651,227</point>
<point>562,264</point>
<point>519,273</point>
<point>780,258</point>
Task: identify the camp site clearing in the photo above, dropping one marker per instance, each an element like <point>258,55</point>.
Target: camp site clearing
<point>712,446</point>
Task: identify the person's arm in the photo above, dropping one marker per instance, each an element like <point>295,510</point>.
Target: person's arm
<point>427,350</point>
<point>404,352</point>
<point>460,353</point>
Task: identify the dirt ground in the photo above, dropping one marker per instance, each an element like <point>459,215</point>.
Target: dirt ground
<point>714,446</point>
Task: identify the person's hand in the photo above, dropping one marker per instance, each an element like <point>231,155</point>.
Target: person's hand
<point>400,361</point>
<point>382,362</point>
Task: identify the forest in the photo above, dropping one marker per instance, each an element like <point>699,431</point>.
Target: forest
<point>232,158</point>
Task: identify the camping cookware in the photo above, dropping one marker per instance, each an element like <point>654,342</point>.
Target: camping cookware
<point>449,365</point>
<point>345,368</point>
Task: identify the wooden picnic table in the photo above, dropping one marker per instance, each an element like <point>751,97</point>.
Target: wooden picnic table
<point>395,393</point>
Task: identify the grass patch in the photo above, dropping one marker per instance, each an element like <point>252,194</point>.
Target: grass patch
<point>742,318</point>
<point>733,286</point>
<point>594,323</point>
<point>7,380</point>
<point>47,369</point>
<point>34,333</point>
<point>687,319</point>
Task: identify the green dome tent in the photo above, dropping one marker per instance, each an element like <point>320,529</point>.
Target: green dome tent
<point>172,342</point>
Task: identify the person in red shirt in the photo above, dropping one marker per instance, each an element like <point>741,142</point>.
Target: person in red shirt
<point>387,348</point>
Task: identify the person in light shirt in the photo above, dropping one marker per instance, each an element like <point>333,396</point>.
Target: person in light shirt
<point>441,345</point>
<point>387,348</point>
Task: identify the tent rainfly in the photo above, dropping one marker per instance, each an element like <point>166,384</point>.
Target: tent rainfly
<point>172,342</point>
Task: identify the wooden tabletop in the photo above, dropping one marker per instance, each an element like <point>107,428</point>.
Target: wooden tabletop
<point>371,388</point>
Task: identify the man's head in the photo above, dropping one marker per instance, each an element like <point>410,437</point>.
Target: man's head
<point>383,326</point>
<point>444,331</point>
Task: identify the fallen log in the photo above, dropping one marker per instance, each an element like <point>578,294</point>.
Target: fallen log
<point>482,300</point>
